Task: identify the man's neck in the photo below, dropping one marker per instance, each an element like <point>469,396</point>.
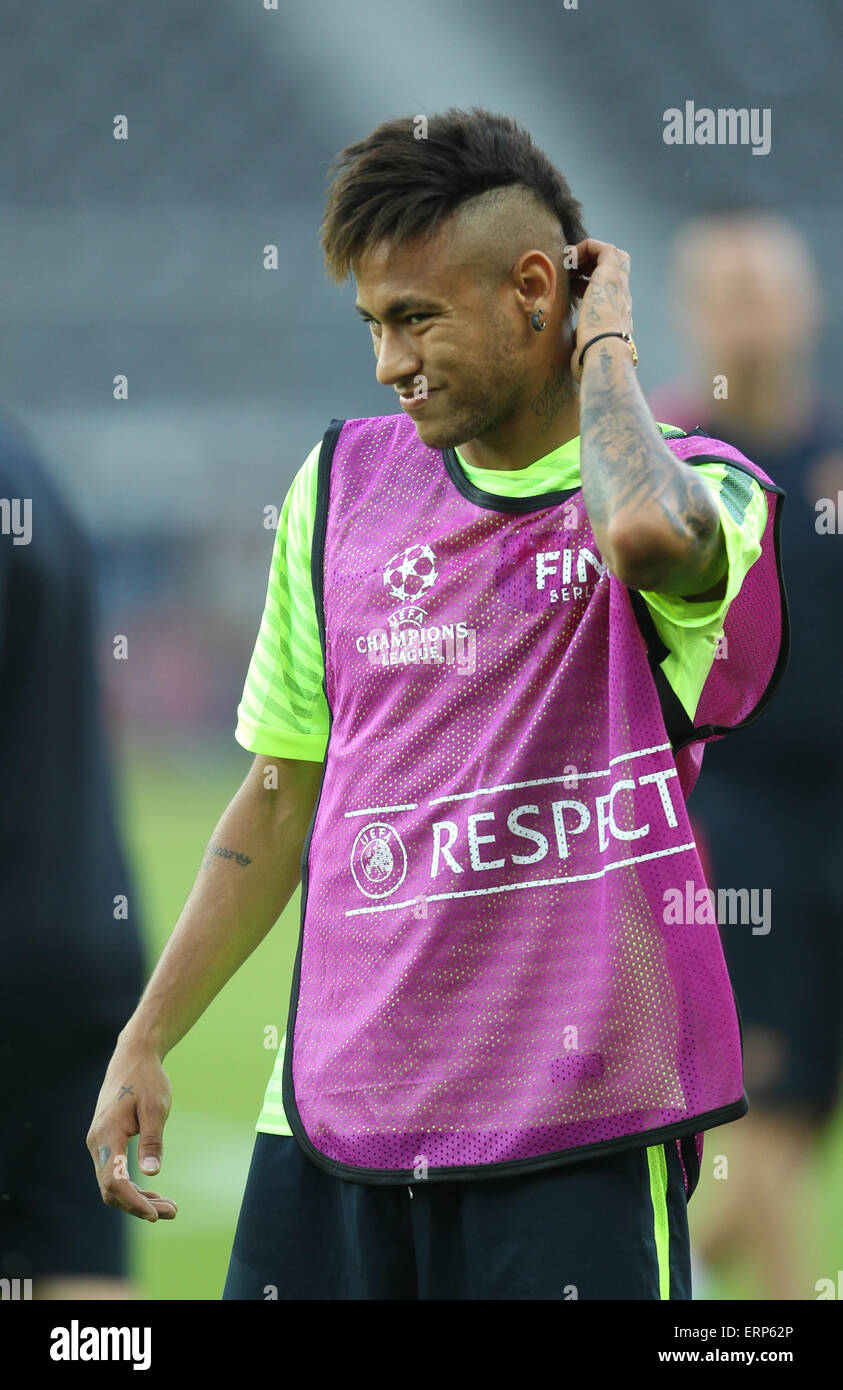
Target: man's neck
<point>767,407</point>
<point>549,419</point>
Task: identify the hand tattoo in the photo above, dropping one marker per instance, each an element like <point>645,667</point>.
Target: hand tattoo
<point>597,298</point>
<point>104,1155</point>
<point>125,1091</point>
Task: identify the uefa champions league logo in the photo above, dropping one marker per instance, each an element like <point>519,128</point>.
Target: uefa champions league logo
<point>410,573</point>
<point>404,639</point>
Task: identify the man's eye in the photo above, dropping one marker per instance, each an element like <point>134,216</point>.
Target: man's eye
<point>408,318</point>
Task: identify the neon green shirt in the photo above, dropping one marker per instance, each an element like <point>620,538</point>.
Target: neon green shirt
<point>283,712</point>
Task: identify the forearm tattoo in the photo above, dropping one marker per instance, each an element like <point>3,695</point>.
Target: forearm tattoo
<point>218,852</point>
<point>625,467</point>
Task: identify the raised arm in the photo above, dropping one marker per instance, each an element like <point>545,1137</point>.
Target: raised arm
<point>653,517</point>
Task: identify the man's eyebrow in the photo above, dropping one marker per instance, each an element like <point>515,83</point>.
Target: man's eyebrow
<point>399,307</point>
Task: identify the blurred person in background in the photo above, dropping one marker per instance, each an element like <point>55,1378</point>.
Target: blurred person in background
<point>769,805</point>
<point>71,953</point>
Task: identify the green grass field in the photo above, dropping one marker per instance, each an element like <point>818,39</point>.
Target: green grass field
<point>171,799</point>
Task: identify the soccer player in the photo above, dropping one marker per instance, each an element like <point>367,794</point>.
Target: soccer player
<point>491,623</point>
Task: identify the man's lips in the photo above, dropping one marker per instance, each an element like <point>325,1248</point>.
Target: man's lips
<point>412,402</point>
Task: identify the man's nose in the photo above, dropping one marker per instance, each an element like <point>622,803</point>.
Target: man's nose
<point>398,360</point>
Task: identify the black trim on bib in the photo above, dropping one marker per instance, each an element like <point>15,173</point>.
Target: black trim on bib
<point>691,1162</point>
<point>317,563</point>
<point>492,500</point>
<point>317,549</point>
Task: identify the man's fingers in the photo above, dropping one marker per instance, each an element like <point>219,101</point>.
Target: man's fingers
<point>119,1191</point>
<point>165,1206</point>
<point>109,1155</point>
<point>589,252</point>
<point>127,1196</point>
<point>151,1119</point>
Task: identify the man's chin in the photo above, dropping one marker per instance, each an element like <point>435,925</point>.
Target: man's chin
<point>439,434</point>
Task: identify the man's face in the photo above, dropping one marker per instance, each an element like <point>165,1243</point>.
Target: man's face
<point>432,316</point>
<point>749,305</point>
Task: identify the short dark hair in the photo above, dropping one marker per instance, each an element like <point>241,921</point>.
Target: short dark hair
<point>395,186</point>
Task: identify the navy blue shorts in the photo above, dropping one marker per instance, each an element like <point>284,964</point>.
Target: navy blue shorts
<point>612,1227</point>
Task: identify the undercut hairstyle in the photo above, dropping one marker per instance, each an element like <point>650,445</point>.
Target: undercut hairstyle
<point>404,180</point>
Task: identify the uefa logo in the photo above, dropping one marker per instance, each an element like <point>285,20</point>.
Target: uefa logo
<point>378,860</point>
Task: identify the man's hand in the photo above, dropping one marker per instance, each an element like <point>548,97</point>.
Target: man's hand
<point>601,283</point>
<point>134,1099</point>
<point>654,519</point>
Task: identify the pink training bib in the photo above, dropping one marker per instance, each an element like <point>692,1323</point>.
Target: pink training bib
<point>501,964</point>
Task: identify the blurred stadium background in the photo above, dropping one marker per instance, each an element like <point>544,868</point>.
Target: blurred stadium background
<point>145,257</point>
